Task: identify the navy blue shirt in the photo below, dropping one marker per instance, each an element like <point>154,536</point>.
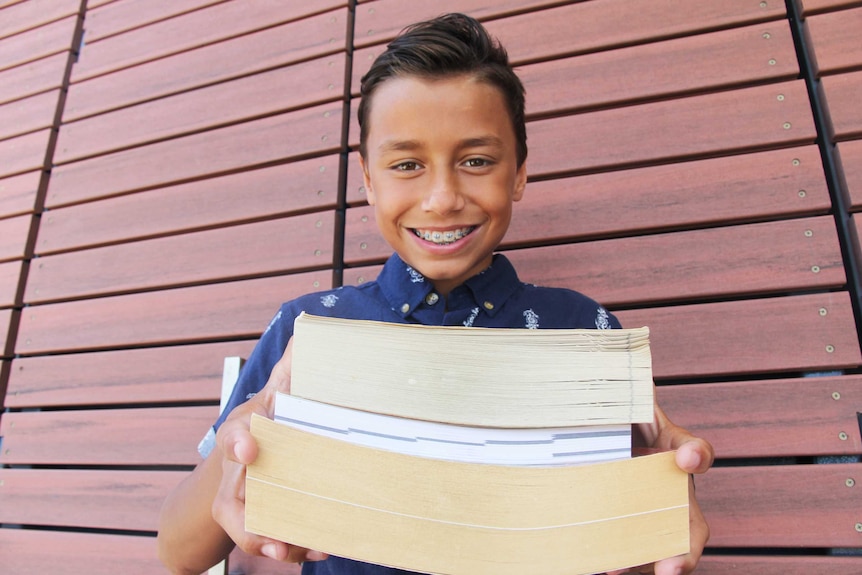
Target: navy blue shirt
<point>493,298</point>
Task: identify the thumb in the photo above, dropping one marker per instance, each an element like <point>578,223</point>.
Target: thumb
<point>278,382</point>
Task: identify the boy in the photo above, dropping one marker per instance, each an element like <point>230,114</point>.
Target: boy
<point>443,150</point>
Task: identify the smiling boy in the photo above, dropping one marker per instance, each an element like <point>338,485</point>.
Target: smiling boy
<point>443,152</point>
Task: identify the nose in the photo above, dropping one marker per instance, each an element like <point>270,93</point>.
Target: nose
<point>444,196</point>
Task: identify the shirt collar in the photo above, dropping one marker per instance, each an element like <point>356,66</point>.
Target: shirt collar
<point>405,288</point>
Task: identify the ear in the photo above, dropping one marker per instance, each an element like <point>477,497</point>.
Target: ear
<point>366,179</point>
<point>520,182</point>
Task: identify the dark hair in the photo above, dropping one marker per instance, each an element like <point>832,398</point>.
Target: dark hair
<point>449,45</point>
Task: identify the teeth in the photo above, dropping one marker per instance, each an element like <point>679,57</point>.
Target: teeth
<point>444,238</point>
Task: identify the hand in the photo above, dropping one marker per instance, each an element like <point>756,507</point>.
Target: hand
<point>694,456</point>
<point>238,449</point>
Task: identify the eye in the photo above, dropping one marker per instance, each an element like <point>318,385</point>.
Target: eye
<point>477,162</point>
<point>407,166</point>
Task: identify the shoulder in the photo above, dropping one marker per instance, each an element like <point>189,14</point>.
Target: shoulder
<point>565,308</point>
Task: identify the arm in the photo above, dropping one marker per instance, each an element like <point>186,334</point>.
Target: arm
<point>204,517</point>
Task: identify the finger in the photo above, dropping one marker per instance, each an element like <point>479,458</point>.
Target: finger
<point>279,381</point>
<point>694,455</point>
<point>235,441</point>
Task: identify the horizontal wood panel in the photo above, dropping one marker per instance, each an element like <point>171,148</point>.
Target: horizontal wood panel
<point>770,418</point>
<point>809,7</point>
<point>851,160</point>
<point>781,506</point>
<point>26,552</point>
<point>835,37</point>
<point>96,499</point>
<point>264,193</point>
<point>117,17</point>
<point>312,131</point>
<point>274,246</point>
<point>270,48</point>
<point>192,30</point>
<point>800,333</point>
<point>18,193</point>
<point>39,76</point>
<point>254,96</point>
<point>13,237</point>
<point>34,13</point>
<point>842,97</point>
<point>24,153</point>
<point>763,564</point>
<point>151,436</point>
<point>28,114</point>
<point>219,311</point>
<point>38,43</point>
<point>10,274</point>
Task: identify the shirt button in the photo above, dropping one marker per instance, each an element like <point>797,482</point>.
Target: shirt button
<point>405,308</point>
<point>432,298</point>
<point>488,305</point>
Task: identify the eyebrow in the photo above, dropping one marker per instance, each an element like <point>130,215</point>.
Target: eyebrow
<point>410,145</point>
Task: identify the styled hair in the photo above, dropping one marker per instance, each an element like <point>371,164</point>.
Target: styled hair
<point>450,45</point>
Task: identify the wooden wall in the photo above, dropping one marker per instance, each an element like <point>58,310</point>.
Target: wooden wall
<point>169,180</point>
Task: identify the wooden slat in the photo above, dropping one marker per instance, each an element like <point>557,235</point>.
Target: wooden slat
<point>693,63</point>
<point>835,37</point>
<point>147,436</point>
<point>5,322</point>
<point>245,196</point>
<point>13,237</point>
<point>808,7</point>
<point>118,17</point>
<point>770,418</point>
<point>799,333</point>
<point>580,27</point>
<point>270,48</point>
<point>25,552</point>
<point>851,160</point>
<point>254,96</point>
<point>842,98</point>
<point>782,506</point>
<point>189,31</point>
<point>10,274</point>
<point>24,153</point>
<point>778,564</point>
<point>28,114</point>
<point>18,193</point>
<point>38,43</point>
<point>155,375</point>
<point>313,131</point>
<point>249,250</point>
<point>220,311</point>
<point>34,13</point>
<point>99,499</point>
<point>33,78</point>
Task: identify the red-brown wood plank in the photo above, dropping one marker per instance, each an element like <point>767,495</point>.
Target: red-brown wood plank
<point>851,160</point>
<point>274,246</point>
<point>24,153</point>
<point>38,43</point>
<point>117,17</point>
<point>244,196</point>
<point>5,321</point>
<point>192,30</point>
<point>270,48</point>
<point>24,552</point>
<point>98,499</point>
<point>10,273</point>
<point>34,13</point>
<point>842,98</point>
<point>313,131</point>
<point>802,333</point>
<point>214,312</point>
<point>808,7</point>
<point>18,193</point>
<point>250,97</point>
<point>154,375</point>
<point>770,418</point>
<point>778,565</point>
<point>706,61</point>
<point>145,436</point>
<point>28,114</point>
<point>835,37</point>
<point>781,505</point>
<point>33,78</point>
<point>13,237</point>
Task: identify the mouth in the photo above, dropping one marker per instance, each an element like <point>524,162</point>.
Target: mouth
<point>443,238</point>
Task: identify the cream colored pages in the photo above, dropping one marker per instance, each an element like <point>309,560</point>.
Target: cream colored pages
<point>478,377</point>
<point>453,518</point>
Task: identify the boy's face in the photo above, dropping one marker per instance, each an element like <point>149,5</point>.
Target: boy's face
<point>441,172</point>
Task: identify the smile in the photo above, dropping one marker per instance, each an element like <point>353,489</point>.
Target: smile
<point>444,238</point>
